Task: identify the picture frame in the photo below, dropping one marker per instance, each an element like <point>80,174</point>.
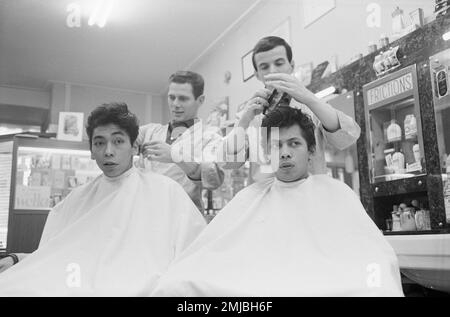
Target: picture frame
<point>70,126</point>
<point>247,66</point>
<point>313,10</point>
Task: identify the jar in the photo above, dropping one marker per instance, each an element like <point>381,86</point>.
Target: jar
<point>407,220</point>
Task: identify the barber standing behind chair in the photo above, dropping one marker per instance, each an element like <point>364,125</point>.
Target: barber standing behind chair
<point>156,141</point>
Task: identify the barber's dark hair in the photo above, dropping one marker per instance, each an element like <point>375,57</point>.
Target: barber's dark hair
<point>285,117</point>
<point>268,43</point>
<point>113,113</point>
<point>188,77</point>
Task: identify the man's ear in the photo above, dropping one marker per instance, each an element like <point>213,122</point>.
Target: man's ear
<point>135,148</point>
<point>292,65</point>
<point>92,155</point>
<point>201,99</point>
<point>310,155</point>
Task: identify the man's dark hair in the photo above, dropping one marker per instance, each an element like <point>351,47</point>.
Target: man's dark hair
<point>268,43</point>
<point>187,77</point>
<point>113,113</point>
<point>285,117</point>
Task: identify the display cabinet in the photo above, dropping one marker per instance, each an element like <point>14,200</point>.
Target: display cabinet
<point>406,111</point>
<point>394,127</point>
<point>43,172</point>
<point>400,182</point>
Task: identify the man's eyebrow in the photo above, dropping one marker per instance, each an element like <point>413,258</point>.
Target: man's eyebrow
<point>287,140</point>
<point>98,137</point>
<point>118,133</point>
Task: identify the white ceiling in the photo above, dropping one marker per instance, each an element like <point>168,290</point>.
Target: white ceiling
<point>143,42</point>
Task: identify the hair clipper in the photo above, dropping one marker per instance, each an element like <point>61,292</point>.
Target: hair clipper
<point>277,99</point>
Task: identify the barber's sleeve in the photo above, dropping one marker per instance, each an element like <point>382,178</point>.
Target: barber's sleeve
<point>346,136</point>
<point>141,136</point>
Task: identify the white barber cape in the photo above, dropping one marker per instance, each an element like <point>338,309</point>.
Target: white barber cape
<point>307,238</point>
<point>111,237</point>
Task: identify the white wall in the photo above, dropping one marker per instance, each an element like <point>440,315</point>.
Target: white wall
<point>343,32</point>
<point>79,98</point>
<point>25,97</point>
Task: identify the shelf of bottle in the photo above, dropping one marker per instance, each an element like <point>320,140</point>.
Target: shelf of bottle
<point>411,137</point>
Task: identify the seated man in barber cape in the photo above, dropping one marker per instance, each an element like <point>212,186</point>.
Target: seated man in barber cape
<point>114,236</point>
<point>295,234</point>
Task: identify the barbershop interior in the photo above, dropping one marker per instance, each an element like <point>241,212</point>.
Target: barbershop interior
<point>383,65</point>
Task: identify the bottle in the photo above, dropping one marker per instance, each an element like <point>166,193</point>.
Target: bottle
<point>422,218</point>
<point>398,162</point>
<point>407,220</point>
<point>398,21</point>
<point>394,132</point>
<point>410,126</point>
<point>372,47</point>
<point>395,219</point>
<point>384,40</point>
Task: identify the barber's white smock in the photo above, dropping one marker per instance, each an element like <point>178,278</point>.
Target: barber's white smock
<point>306,238</point>
<point>111,237</point>
<point>198,137</point>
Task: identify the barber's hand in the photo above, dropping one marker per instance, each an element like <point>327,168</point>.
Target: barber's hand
<point>290,85</point>
<point>6,263</point>
<point>157,151</point>
<point>254,107</point>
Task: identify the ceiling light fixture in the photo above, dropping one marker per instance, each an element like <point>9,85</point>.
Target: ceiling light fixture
<point>101,13</point>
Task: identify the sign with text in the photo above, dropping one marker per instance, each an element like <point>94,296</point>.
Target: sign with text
<point>32,197</point>
<point>390,89</point>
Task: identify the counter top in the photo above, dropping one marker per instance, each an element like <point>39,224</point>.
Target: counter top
<point>425,259</point>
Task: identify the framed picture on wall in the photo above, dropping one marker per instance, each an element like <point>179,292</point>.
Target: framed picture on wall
<point>313,10</point>
<point>247,66</point>
<point>70,126</point>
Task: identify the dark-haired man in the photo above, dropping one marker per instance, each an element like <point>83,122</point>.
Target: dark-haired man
<point>274,65</point>
<point>185,134</point>
<point>115,235</point>
<point>292,235</point>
